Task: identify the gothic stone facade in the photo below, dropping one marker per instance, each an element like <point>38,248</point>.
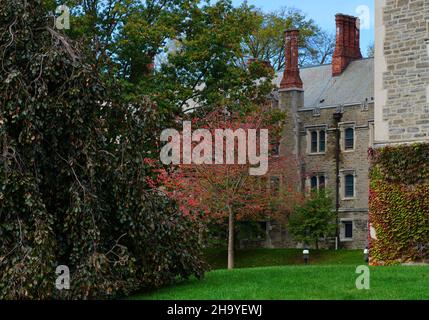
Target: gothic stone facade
<point>310,97</point>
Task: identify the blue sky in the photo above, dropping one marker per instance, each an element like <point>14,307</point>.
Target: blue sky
<point>323,13</point>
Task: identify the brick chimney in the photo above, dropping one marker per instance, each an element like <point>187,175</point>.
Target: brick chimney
<point>291,78</point>
<point>347,48</point>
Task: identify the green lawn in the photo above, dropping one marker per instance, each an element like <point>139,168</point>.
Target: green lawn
<point>301,282</point>
<point>217,258</point>
<point>280,274</point>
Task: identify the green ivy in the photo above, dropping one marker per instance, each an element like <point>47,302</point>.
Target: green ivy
<point>398,204</point>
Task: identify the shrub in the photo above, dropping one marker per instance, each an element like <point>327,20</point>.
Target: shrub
<point>314,219</point>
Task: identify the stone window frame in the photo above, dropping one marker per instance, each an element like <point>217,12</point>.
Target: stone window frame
<point>343,127</point>
<point>343,229</point>
<point>317,175</point>
<point>343,174</point>
<point>318,128</point>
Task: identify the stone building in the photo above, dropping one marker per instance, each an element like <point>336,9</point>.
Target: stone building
<point>310,97</point>
<point>401,90</point>
<point>402,71</point>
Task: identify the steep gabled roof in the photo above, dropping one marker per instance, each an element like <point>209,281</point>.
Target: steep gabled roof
<point>353,86</point>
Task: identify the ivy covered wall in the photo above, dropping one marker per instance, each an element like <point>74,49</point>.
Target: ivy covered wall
<point>399,204</point>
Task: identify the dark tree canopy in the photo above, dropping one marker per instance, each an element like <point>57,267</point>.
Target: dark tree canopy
<point>73,185</point>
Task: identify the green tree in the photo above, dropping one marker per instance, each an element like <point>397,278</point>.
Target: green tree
<point>267,41</point>
<point>314,219</point>
<point>73,173</point>
<point>196,49</point>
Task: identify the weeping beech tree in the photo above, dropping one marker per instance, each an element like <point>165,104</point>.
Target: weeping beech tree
<point>73,187</point>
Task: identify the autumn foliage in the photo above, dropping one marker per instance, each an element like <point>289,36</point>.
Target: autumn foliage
<point>208,191</point>
<point>218,192</point>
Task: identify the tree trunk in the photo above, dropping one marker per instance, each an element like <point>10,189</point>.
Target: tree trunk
<point>230,240</point>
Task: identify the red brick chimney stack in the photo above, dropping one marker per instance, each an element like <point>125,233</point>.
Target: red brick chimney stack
<point>291,78</point>
<point>347,47</point>
<point>357,39</point>
<point>350,36</point>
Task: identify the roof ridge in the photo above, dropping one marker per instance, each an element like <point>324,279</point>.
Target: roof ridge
<point>329,64</point>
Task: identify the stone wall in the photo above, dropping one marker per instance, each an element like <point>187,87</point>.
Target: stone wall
<point>402,71</point>
<point>401,118</point>
<point>356,209</point>
<point>356,161</point>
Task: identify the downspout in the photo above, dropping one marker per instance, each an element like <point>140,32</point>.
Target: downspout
<point>337,118</point>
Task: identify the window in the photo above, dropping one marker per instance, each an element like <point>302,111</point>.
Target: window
<point>317,141</point>
<point>348,229</point>
<point>314,141</point>
<point>322,141</point>
<point>317,182</point>
<point>314,183</point>
<point>349,186</point>
<point>322,182</point>
<point>349,139</point>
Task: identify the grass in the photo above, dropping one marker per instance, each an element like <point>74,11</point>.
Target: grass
<point>299,283</point>
<point>217,258</point>
<point>279,274</point>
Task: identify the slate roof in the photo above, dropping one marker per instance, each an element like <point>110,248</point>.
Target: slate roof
<point>353,86</point>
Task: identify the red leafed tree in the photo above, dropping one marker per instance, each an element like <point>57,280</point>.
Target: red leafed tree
<point>215,192</point>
